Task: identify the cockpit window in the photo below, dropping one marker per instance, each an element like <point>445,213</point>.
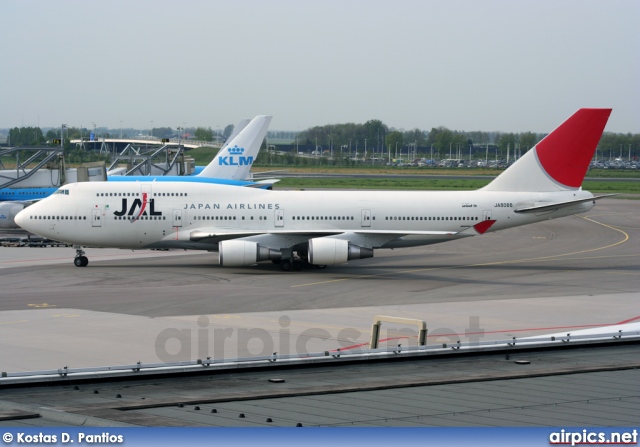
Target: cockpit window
<point>62,191</point>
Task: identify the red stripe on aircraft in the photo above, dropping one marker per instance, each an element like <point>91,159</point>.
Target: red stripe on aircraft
<point>483,226</point>
<point>143,207</point>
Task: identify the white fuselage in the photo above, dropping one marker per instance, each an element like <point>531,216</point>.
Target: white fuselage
<point>196,216</point>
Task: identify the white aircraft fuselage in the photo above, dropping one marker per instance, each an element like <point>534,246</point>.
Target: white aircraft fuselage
<point>179,215</point>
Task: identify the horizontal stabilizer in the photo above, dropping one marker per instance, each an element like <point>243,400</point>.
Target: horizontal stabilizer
<point>557,205</point>
<point>268,181</point>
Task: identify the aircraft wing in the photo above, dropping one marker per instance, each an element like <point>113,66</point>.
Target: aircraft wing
<point>217,235</point>
<point>544,206</point>
<point>374,237</point>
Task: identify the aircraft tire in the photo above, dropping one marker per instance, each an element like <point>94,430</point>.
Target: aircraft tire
<point>285,265</point>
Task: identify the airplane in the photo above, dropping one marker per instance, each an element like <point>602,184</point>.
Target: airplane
<point>230,166</point>
<point>242,175</point>
<point>297,229</point>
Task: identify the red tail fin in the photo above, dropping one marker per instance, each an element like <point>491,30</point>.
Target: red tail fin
<point>558,162</point>
<point>567,151</point>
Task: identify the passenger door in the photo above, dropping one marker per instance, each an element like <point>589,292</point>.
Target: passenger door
<point>366,218</point>
<point>96,217</point>
<point>279,218</point>
<point>177,218</point>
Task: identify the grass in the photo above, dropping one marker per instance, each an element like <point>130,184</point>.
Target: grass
<point>599,186</point>
<point>372,183</point>
<point>594,173</point>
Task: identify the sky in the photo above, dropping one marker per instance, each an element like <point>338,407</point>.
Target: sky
<point>490,65</point>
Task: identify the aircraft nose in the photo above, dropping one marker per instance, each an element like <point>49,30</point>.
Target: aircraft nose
<point>20,219</point>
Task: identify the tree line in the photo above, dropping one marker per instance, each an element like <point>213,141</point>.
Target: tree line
<point>379,137</point>
<point>374,136</point>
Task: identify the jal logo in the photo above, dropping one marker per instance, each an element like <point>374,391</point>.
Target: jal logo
<point>138,208</point>
<point>236,158</point>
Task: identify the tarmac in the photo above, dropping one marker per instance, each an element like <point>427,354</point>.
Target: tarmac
<point>157,306</point>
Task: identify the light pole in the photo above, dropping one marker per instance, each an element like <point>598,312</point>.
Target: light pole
<point>486,156</point>
<point>180,129</point>
<point>94,136</point>
<point>331,145</point>
<point>62,128</point>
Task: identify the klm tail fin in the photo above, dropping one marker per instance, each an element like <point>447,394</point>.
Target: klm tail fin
<point>560,161</point>
<point>234,160</point>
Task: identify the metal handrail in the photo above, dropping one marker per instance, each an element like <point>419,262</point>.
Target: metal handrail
<point>325,356</point>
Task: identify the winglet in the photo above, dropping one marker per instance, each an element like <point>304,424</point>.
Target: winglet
<point>236,130</point>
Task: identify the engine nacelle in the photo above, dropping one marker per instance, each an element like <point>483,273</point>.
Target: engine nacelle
<point>238,253</point>
<point>327,251</point>
<point>8,213</point>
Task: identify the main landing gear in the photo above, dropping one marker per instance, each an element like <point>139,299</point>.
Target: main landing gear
<point>296,263</point>
<point>80,260</point>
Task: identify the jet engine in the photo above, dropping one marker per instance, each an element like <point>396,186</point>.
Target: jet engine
<point>327,251</point>
<point>8,211</point>
<point>236,253</point>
